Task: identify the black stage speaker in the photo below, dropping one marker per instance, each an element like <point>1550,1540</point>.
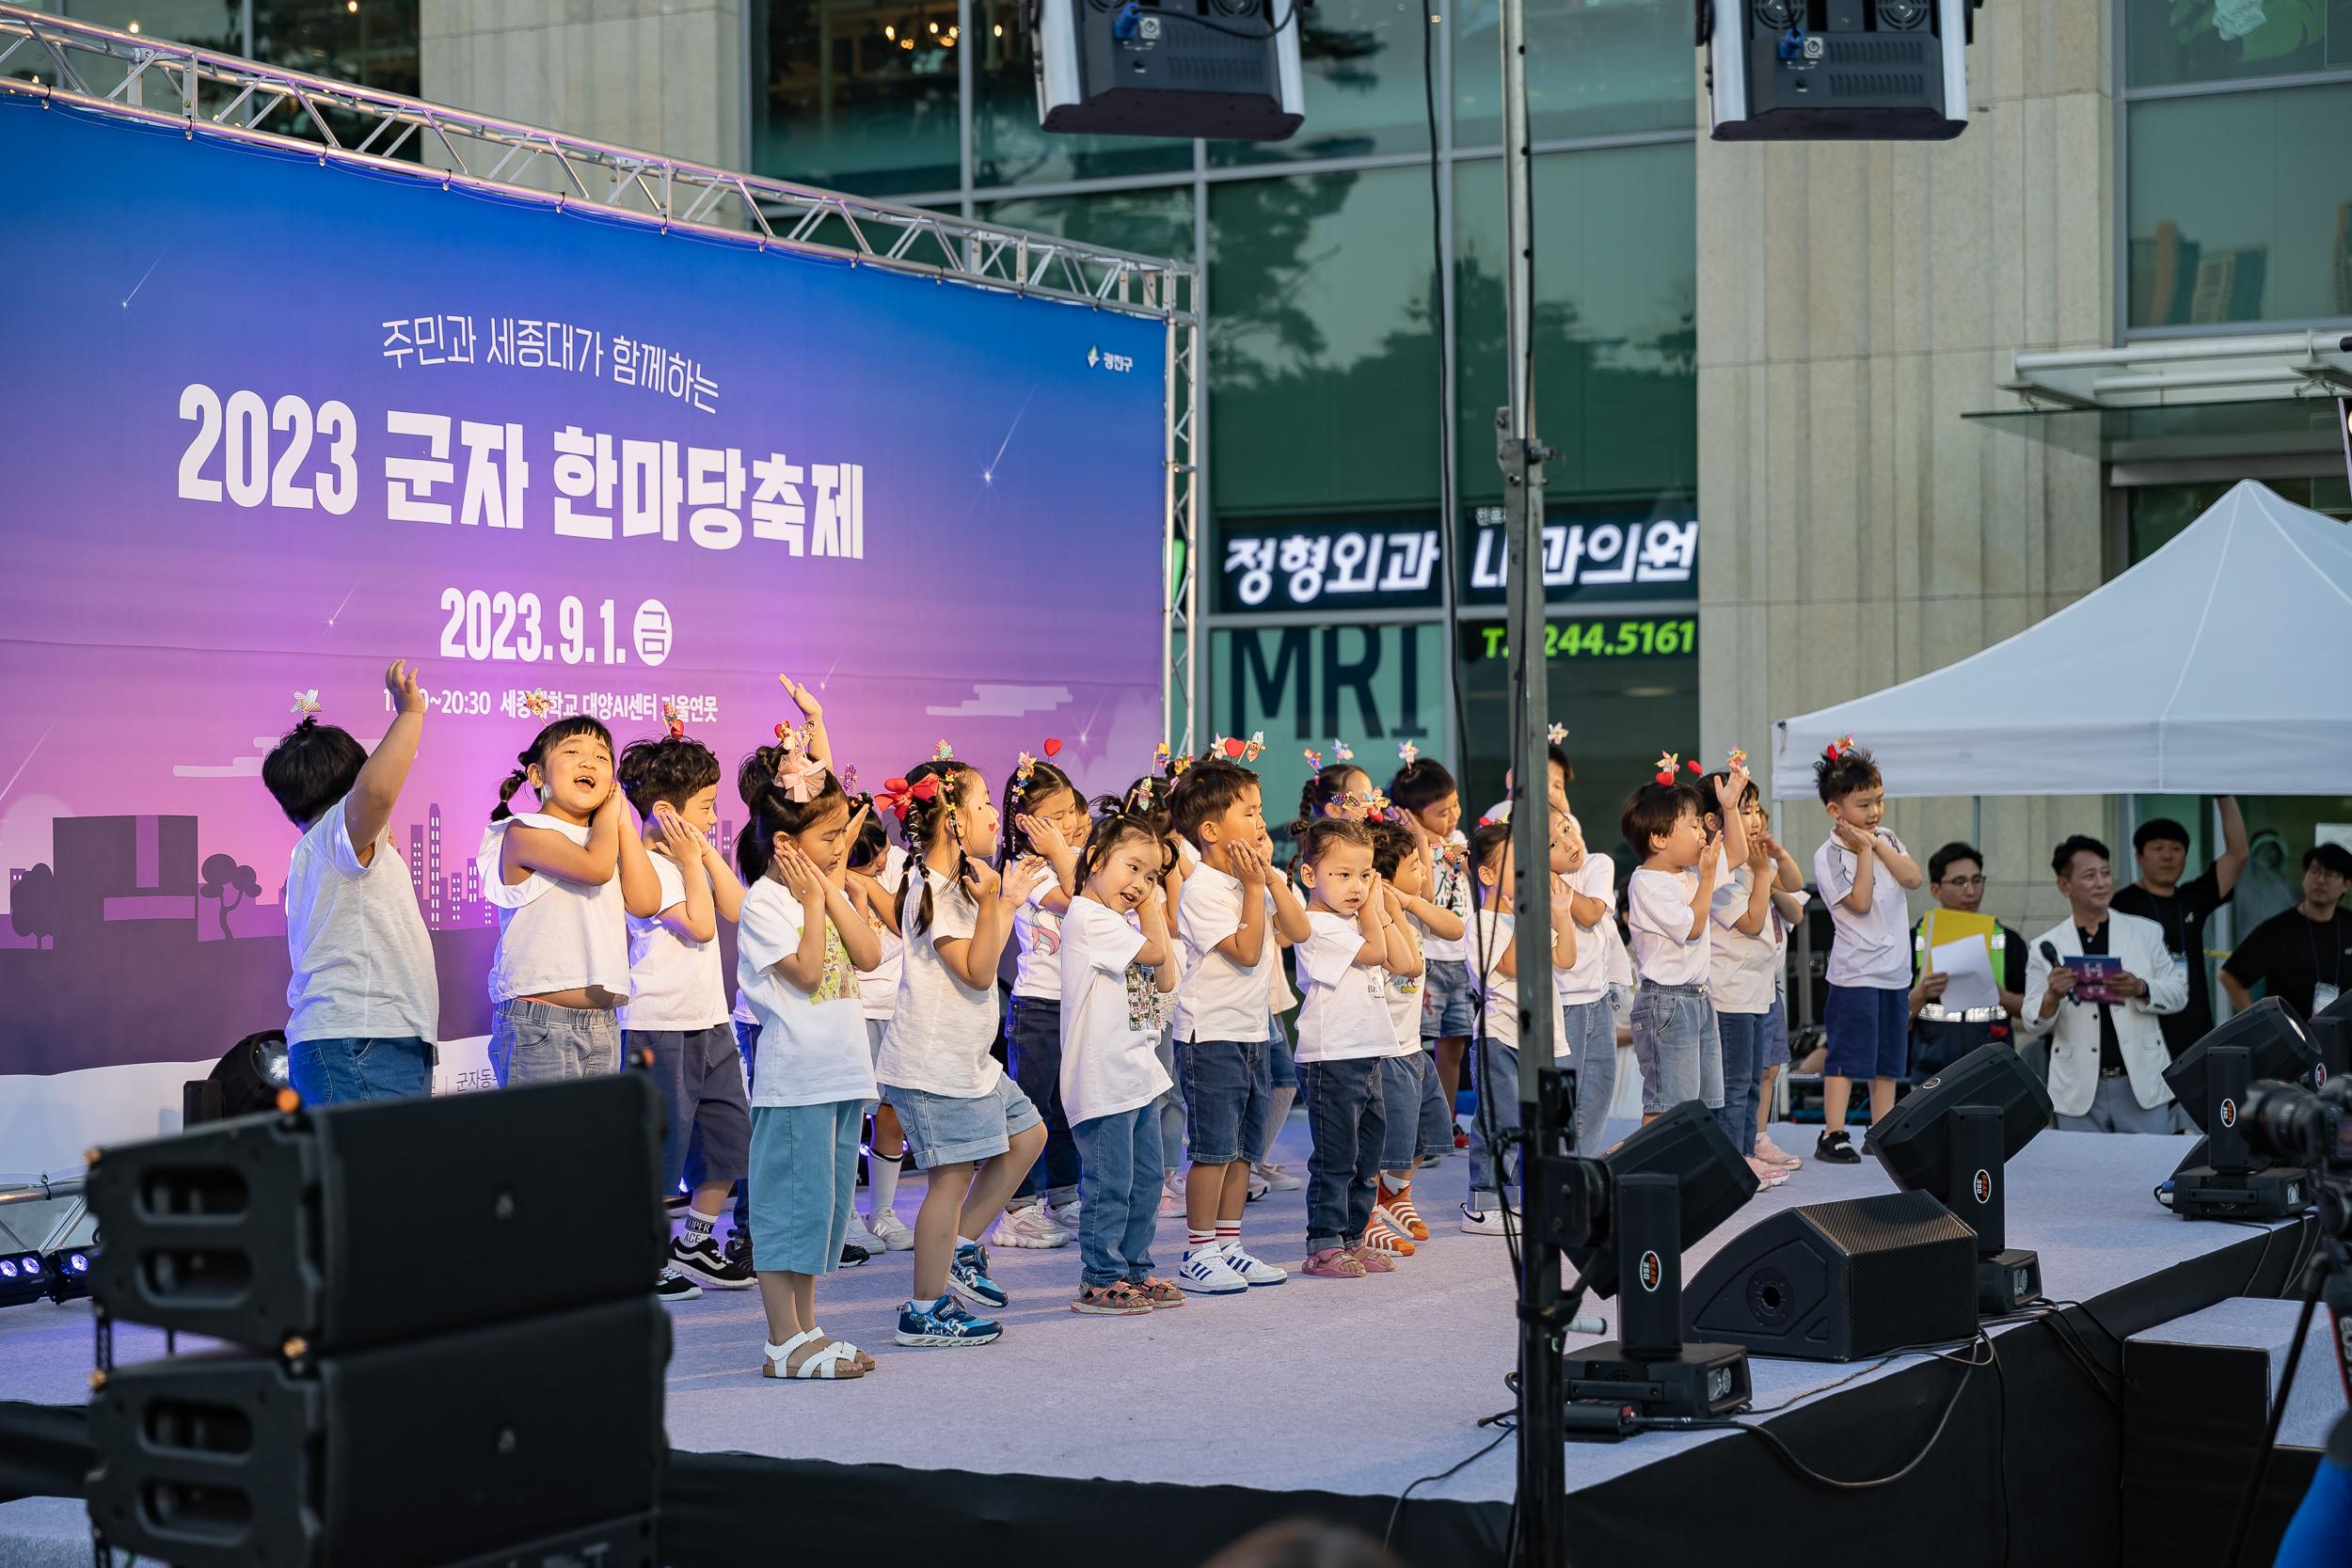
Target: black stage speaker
<point>351,1225</point>
<point>1712,1181</point>
<point>2330,1031</point>
<point>1840,1281</point>
<point>2221,1178</point>
<point>1952,1139</point>
<point>2275,1045</point>
<point>543,1433</point>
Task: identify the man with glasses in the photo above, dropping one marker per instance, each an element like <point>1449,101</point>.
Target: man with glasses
<point>2183,909</point>
<point>2304,954</point>
<point>1956,878</point>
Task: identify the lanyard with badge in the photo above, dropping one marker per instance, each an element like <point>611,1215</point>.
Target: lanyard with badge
<point>2325,992</point>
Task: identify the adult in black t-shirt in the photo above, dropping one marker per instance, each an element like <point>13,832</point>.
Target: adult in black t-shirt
<point>2303,956</point>
<point>2161,847</point>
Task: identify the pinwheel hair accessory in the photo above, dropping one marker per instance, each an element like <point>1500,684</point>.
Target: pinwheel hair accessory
<point>1407,753</point>
<point>677,724</point>
<point>1839,749</point>
<point>942,753</point>
<point>1342,750</point>
<point>1315,760</point>
<point>538,704</point>
<point>307,702</point>
<point>1736,758</point>
<point>1556,734</point>
<point>1669,764</point>
<point>848,778</point>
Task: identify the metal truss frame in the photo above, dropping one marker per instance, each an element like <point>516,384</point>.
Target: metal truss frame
<point>74,64</point>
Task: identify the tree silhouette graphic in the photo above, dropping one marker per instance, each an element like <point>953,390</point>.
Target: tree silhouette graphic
<point>223,876</point>
<point>33,903</point>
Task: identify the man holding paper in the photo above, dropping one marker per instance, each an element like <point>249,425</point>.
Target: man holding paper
<point>1967,970</point>
<point>2097,983</point>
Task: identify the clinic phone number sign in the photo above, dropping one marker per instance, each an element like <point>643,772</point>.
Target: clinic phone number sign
<point>1603,637</point>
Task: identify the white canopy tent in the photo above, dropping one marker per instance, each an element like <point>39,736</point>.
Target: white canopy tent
<point>2220,664</point>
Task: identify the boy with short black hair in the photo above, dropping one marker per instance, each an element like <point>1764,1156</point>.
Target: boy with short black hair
<point>1224,1015</point>
<point>365,1001</point>
<point>2182,905</point>
<point>1668,905</point>
<point>1863,871</point>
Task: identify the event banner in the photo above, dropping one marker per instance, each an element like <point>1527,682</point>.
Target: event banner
<point>274,422</point>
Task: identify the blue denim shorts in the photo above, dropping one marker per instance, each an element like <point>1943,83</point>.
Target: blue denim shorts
<point>535,1042</point>
<point>1449,1003</point>
<point>804,1177</point>
<point>1229,1093</point>
<point>1282,1058</point>
<point>700,1075</point>
<point>946,1131</point>
<point>1869,1031</point>
<point>1776,1034</point>
<point>1675,1042</point>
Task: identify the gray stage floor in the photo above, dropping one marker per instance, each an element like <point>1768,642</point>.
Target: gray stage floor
<point>1354,1387</point>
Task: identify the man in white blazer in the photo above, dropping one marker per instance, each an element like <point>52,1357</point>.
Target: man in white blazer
<point>2106,1060</point>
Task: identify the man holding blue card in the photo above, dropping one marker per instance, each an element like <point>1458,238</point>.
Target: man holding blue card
<point>2097,983</point>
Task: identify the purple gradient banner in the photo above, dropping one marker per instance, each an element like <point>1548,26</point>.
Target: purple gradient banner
<point>275,423</point>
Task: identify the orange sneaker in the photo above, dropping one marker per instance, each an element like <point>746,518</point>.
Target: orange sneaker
<point>1383,1238</point>
<point>1396,1207</point>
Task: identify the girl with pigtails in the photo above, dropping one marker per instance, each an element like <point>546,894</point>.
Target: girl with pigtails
<point>564,878</point>
<point>801,946</point>
<point>968,1124</point>
<point>1045,818</point>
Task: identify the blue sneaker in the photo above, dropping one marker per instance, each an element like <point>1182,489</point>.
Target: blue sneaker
<point>944,1324</point>
<point>967,1277</point>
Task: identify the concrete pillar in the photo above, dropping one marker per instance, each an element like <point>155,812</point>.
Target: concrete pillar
<point>1854,300</point>
<point>662,75</point>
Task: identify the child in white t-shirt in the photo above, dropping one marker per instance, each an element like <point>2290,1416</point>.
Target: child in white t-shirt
<point>1117,961</point>
<point>1228,918</point>
<point>1420,1127</point>
<point>799,948</point>
<point>1344,1032</point>
<point>1588,1024</point>
<point>877,866</point>
<point>1667,904</point>
<point>564,880</point>
<point>1432,803</point>
<point>973,1131</point>
<point>365,1000</point>
<point>1494,942</point>
<point>1863,872</point>
<point>676,1011</point>
<point>1743,972</point>
<point>1044,816</point>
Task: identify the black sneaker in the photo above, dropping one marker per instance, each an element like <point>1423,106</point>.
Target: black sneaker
<point>674,1286</point>
<point>706,1264</point>
<point>738,1250</point>
<point>852,1256</point>
<point>1837,1149</point>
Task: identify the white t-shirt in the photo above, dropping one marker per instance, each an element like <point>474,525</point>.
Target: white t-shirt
<point>1345,1011</point>
<point>1502,990</point>
<point>362,959</point>
<point>1874,949</point>
<point>942,1028</point>
<point>1404,992</point>
<point>1110,1025</point>
<point>1221,1000</point>
<point>1037,945</point>
<point>672,983</point>
<point>1587,979</point>
<point>812,1043</point>
<point>1740,969</point>
<point>1451,890</point>
<point>554,935</point>
<point>1658,906</point>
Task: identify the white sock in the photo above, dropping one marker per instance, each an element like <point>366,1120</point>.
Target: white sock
<point>698,1226</point>
<point>882,1180</point>
<point>963,1241</point>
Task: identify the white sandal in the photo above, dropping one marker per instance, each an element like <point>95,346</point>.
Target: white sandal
<point>823,1366</point>
<point>864,1362</point>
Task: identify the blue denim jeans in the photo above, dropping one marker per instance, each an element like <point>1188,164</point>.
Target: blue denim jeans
<point>1742,1034</point>
<point>1675,1041</point>
<point>1497,1070</point>
<point>1591,1028</point>
<point>1347,1114</point>
<point>535,1042</point>
<point>1033,1055</point>
<point>1171,1106</point>
<point>340,1071</point>
<point>1119,1195</point>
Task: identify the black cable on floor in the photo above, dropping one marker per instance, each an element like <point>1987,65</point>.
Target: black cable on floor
<point>1787,1456</point>
<point>1388,1534</point>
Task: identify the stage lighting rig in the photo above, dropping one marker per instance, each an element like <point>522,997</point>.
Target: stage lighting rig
<point>69,1273</point>
<point>2230,1176</point>
<point>1221,68</point>
<point>1622,1222</point>
<point>23,1277</point>
<point>1836,69</point>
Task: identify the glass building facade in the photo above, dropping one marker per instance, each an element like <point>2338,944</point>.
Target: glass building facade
<point>1337,356</point>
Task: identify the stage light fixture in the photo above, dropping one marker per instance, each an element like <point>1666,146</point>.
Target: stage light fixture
<point>2221,1178</point>
<point>1228,70</point>
<point>1952,1138</point>
<point>68,1270</point>
<point>1631,1213</point>
<point>22,1278</point>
